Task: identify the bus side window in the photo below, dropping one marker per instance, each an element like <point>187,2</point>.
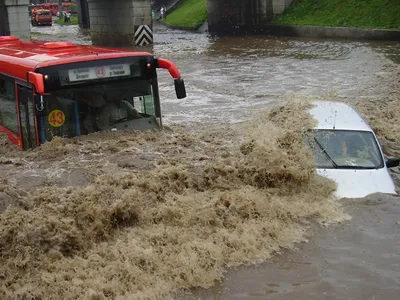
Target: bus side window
<point>8,106</point>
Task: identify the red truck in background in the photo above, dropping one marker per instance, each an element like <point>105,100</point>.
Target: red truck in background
<point>41,17</point>
<point>53,7</point>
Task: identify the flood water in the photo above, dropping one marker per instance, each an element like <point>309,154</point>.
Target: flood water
<point>357,260</point>
<point>229,81</point>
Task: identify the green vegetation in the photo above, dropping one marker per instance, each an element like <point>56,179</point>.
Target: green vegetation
<point>72,7</point>
<point>343,13</point>
<point>74,21</point>
<point>189,14</point>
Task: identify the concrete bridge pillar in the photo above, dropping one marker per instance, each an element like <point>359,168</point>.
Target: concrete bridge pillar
<point>82,9</point>
<point>121,23</point>
<point>231,16</point>
<point>14,18</point>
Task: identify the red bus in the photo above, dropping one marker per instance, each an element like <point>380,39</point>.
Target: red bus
<point>63,89</point>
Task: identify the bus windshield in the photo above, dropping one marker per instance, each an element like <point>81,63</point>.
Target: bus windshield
<point>104,106</point>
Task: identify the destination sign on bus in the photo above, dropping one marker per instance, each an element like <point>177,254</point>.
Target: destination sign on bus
<point>99,72</point>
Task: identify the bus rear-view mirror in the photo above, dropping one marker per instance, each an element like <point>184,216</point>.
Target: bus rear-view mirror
<point>37,80</point>
<point>180,88</point>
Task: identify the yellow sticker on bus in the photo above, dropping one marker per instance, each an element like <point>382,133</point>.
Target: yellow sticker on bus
<point>56,118</point>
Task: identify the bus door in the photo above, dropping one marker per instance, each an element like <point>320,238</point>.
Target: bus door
<point>26,117</point>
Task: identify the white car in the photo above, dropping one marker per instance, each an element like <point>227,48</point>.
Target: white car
<point>347,151</point>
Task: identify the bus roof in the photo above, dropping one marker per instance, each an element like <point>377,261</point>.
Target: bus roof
<point>17,57</point>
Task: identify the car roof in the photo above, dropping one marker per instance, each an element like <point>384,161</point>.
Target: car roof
<point>338,116</point>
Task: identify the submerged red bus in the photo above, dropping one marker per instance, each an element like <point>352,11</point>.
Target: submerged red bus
<point>63,89</point>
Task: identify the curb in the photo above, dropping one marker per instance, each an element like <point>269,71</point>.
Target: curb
<point>353,33</point>
<point>191,29</point>
<point>331,32</point>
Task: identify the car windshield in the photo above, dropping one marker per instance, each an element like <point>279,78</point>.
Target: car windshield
<point>345,149</point>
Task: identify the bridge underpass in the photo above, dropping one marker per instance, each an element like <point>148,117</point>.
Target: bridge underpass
<point>129,22</point>
<point>234,16</point>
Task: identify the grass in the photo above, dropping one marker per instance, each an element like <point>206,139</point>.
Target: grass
<point>343,13</point>
<point>74,21</point>
<point>189,14</point>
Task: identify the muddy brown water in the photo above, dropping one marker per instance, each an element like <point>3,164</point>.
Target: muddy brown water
<point>229,81</point>
<point>357,260</point>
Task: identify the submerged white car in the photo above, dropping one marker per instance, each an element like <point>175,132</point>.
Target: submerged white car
<point>347,151</point>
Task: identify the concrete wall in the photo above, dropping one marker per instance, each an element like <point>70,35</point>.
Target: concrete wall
<point>230,16</point>
<point>280,5</point>
<point>331,32</point>
<point>14,18</point>
<point>113,23</point>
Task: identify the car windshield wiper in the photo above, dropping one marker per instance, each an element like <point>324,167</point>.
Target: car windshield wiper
<point>326,153</point>
<point>355,167</point>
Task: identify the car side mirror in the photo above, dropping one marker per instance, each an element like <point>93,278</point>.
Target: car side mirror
<point>393,162</point>
<point>180,88</point>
